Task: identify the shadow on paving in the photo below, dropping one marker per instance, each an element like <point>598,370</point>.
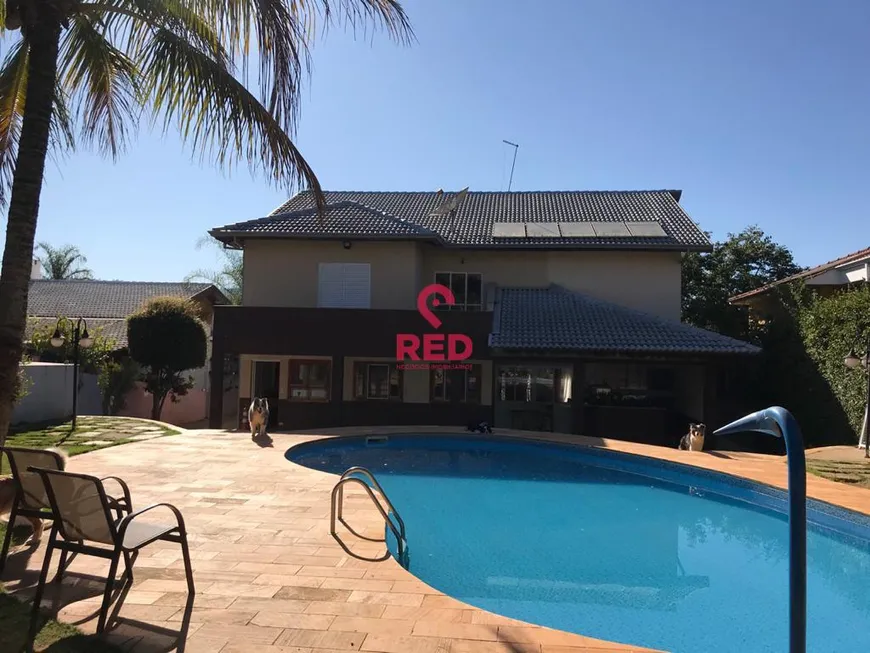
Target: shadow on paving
<point>122,633</point>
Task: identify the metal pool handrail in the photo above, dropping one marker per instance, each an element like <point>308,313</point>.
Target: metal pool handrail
<point>780,423</point>
<point>352,476</point>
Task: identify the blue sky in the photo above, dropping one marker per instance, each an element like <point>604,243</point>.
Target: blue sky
<point>758,111</point>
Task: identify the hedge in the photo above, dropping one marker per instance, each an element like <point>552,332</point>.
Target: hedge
<point>805,343</point>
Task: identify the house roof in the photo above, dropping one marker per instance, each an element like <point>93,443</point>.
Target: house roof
<point>556,319</point>
<point>806,274</point>
<point>506,220</point>
<point>104,304</point>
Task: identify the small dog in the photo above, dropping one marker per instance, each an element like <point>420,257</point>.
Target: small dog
<point>8,490</point>
<point>694,439</point>
<point>482,427</point>
<point>258,416</point>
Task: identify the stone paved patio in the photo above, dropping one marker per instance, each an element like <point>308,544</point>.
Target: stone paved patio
<point>270,578</point>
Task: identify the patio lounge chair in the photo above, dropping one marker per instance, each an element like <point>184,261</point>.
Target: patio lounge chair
<point>31,499</point>
<point>84,515</point>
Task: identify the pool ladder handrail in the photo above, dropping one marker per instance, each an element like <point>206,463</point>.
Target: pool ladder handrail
<point>352,476</point>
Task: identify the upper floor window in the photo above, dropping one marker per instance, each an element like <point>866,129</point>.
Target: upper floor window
<point>344,285</point>
<point>377,381</point>
<point>309,380</point>
<point>467,288</point>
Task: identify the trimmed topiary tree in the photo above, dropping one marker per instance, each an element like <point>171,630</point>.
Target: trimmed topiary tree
<point>166,337</point>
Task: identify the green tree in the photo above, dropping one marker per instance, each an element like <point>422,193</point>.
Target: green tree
<point>743,262</point>
<point>116,380</point>
<point>100,66</point>
<point>228,277</point>
<point>64,262</point>
<point>166,338</point>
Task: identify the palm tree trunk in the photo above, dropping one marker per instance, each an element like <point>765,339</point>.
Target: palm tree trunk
<point>43,34</point>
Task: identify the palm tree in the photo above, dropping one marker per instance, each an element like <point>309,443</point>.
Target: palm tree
<point>62,262</point>
<point>98,65</point>
<point>228,278</point>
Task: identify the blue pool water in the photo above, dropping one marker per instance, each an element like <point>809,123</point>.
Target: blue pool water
<point>611,546</point>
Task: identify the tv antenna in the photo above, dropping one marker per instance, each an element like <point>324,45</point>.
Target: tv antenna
<point>516,149</point>
<point>448,207</point>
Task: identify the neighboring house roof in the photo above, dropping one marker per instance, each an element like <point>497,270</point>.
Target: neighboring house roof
<point>805,275</point>
<point>104,304</point>
<point>538,220</point>
<point>556,319</point>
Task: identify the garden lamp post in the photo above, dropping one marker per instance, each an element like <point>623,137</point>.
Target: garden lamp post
<point>80,339</point>
<point>854,361</point>
<point>780,423</point>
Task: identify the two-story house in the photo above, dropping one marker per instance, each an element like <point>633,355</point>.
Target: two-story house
<point>571,302</point>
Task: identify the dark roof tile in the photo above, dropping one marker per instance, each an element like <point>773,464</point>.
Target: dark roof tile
<point>560,320</point>
<point>100,299</point>
<point>409,214</point>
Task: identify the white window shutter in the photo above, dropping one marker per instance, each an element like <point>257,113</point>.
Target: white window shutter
<point>357,285</point>
<point>344,285</point>
<point>330,292</point>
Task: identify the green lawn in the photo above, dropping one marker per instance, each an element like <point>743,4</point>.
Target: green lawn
<point>851,472</point>
<point>91,433</point>
<point>53,637</point>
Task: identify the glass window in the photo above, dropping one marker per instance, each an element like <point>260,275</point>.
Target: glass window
<point>456,385</point>
<point>538,384</point>
<point>309,380</point>
<point>473,383</point>
<point>377,381</point>
<point>439,385</point>
<point>515,384</point>
<point>474,296</point>
<point>467,290</point>
<point>543,388</point>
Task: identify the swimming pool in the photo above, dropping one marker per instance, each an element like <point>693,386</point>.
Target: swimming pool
<point>613,546</point>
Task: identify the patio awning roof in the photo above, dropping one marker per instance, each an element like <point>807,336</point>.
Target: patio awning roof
<point>557,319</point>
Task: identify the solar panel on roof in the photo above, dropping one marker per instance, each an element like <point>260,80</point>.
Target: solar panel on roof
<point>543,229</point>
<point>646,229</point>
<point>611,229</point>
<point>577,229</point>
<point>508,230</point>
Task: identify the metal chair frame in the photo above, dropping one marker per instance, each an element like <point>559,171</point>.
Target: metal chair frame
<point>61,540</point>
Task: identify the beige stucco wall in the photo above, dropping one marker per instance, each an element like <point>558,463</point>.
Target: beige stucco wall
<point>646,281</point>
<point>284,273</point>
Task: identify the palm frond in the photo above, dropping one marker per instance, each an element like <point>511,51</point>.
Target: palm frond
<point>60,262</point>
<point>385,14</point>
<point>103,79</point>
<point>215,113</point>
<point>13,90</point>
<point>174,15</point>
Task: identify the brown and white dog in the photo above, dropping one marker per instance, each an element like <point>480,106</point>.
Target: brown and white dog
<point>258,416</point>
<point>8,489</point>
<point>694,439</point>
